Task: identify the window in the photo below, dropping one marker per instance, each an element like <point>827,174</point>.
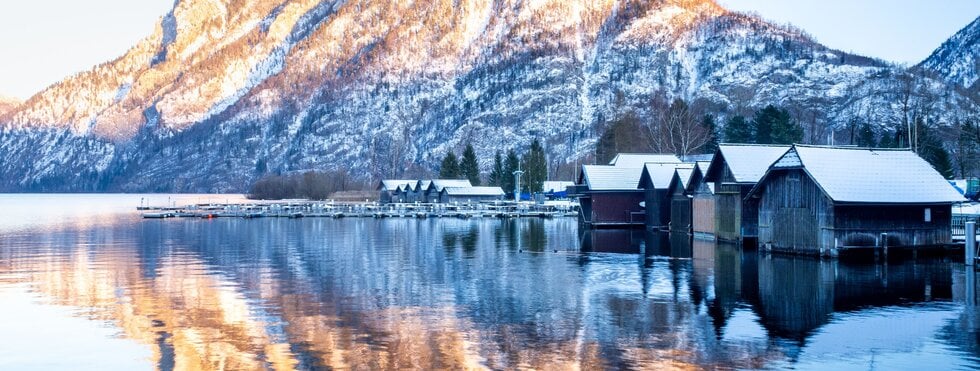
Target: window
<point>928,215</point>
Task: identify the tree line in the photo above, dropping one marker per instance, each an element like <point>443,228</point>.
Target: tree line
<point>314,185</point>
<point>533,163</point>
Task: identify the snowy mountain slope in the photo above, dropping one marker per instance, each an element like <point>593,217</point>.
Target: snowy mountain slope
<point>958,59</point>
<point>223,92</point>
<point>8,104</point>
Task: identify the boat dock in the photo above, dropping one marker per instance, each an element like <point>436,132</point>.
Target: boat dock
<point>313,209</point>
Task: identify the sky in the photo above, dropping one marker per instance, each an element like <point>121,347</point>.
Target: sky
<point>43,41</point>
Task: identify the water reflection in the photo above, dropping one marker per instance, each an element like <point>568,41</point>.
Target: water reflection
<point>454,294</point>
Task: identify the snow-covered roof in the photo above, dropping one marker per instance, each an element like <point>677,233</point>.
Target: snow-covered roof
<point>439,184</point>
<point>394,184</point>
<point>473,191</point>
<point>747,162</point>
<point>862,175</point>
<point>684,175</point>
<point>423,185</point>
<point>703,166</point>
<point>637,160</point>
<point>556,186</point>
<point>660,174</point>
<point>611,178</point>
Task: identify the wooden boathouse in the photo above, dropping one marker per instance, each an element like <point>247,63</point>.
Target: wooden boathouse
<point>702,203</point>
<point>609,196</point>
<point>681,200</point>
<point>391,190</point>
<point>655,181</point>
<point>734,170</point>
<point>827,200</point>
<point>434,191</point>
<point>470,194</point>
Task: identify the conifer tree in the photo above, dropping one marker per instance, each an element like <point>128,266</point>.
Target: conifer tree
<point>510,166</point>
<point>497,172</point>
<point>739,130</point>
<point>709,124</point>
<point>468,166</point>
<point>450,167</point>
<point>535,168</point>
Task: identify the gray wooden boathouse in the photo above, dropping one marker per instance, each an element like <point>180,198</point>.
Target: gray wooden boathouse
<point>681,200</point>
<point>470,194</point>
<point>655,181</point>
<point>702,203</point>
<point>391,190</point>
<point>824,200</point>
<point>734,170</point>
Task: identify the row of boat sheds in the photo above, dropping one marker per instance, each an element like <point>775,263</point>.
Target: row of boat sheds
<point>452,191</point>
<point>802,199</point>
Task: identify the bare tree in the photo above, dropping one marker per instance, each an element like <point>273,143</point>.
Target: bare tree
<point>676,127</point>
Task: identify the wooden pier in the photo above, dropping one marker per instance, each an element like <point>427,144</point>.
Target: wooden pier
<point>313,209</point>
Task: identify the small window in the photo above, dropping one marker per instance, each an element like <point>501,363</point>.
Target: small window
<point>793,177</point>
<point>928,216</point>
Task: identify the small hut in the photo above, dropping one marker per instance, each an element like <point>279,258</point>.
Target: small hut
<point>734,170</point>
<point>434,190</point>
<point>655,182</point>
<point>470,194</point>
<point>609,196</point>
<point>391,190</point>
<point>825,200</point>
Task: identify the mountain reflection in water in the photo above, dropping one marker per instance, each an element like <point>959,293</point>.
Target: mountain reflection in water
<point>501,294</point>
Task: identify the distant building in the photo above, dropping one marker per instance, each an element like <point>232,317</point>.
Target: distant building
<point>470,194</point>
<point>391,190</point>
<point>823,200</point>
<point>734,170</point>
<point>609,196</point>
<point>556,189</point>
<point>655,180</point>
<point>434,191</point>
<point>637,160</point>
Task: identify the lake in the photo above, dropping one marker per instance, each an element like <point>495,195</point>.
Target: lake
<point>85,283</point>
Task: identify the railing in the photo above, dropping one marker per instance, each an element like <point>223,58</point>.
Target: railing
<point>958,226</point>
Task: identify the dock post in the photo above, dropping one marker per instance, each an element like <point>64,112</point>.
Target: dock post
<point>970,248</point>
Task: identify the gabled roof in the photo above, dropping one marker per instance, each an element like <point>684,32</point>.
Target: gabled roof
<point>684,176</point>
<point>393,184</point>
<point>660,174</point>
<point>556,186</point>
<point>638,159</point>
<point>423,185</point>
<point>747,162</point>
<point>473,191</point>
<point>439,184</point>
<point>610,178</point>
<point>862,175</point>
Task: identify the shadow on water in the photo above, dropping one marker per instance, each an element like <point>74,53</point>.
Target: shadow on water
<point>504,294</point>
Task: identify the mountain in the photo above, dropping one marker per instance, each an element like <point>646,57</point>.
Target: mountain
<point>958,59</point>
<point>224,91</point>
<point>8,104</point>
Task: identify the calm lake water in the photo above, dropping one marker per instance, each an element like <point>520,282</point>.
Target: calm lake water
<point>86,284</point>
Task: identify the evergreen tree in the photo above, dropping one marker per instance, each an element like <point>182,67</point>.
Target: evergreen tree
<point>931,148</point>
<point>535,168</point>
<point>968,149</point>
<point>510,166</point>
<point>866,136</point>
<point>469,168</point>
<point>709,125</point>
<point>739,130</point>
<point>450,167</point>
<point>496,177</point>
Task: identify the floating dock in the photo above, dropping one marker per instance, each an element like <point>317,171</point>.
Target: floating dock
<point>312,209</point>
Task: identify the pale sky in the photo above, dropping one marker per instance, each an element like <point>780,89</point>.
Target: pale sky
<point>43,41</point>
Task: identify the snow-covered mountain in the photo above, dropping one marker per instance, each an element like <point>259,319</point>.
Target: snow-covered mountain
<point>224,91</point>
<point>958,59</point>
<point>8,104</point>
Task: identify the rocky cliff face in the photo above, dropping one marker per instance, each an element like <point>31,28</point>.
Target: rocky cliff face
<point>226,90</point>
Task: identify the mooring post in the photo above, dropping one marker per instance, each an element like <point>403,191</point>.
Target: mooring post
<point>970,248</point>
